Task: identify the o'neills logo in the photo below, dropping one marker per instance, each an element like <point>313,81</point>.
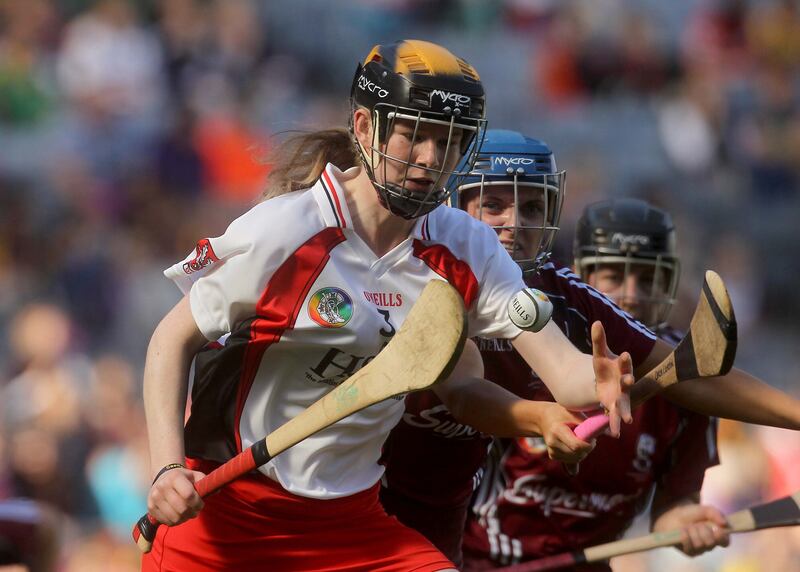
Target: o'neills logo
<point>450,97</point>
<point>493,345</point>
<point>330,307</point>
<point>205,256</point>
<point>387,299</point>
<point>372,87</point>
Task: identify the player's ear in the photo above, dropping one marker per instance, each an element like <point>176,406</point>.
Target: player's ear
<point>362,127</point>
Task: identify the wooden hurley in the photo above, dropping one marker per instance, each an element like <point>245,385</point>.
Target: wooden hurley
<point>707,350</point>
<point>781,512</point>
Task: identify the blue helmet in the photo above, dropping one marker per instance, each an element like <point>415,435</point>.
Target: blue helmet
<point>515,187</point>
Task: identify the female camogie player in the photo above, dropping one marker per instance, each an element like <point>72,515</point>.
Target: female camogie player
<point>310,284</point>
<point>516,187</point>
<point>527,507</point>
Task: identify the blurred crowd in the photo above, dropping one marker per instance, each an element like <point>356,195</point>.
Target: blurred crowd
<point>131,128</point>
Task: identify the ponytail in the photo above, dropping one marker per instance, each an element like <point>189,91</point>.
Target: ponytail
<point>300,160</point>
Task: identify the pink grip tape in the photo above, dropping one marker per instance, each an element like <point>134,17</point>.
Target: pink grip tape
<point>592,427</point>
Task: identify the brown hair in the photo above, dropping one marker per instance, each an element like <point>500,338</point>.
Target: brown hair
<point>300,160</point>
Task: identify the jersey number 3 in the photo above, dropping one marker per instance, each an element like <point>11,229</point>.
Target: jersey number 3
<point>383,331</point>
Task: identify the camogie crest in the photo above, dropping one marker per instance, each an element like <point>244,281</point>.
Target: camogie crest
<point>532,445</point>
<point>330,307</point>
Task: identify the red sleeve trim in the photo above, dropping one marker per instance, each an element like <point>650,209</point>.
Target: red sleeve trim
<point>455,271</point>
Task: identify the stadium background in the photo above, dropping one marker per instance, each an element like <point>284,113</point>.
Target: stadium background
<point>130,129</point>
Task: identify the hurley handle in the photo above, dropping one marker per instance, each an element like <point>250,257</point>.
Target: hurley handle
<point>592,427</point>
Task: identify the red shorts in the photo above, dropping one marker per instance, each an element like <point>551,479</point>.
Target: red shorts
<point>254,524</point>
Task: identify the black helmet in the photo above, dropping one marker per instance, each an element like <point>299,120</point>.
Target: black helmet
<point>637,236</point>
<point>419,82</point>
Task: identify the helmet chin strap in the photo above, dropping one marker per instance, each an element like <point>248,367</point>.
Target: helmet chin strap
<point>369,156</point>
<point>370,162</point>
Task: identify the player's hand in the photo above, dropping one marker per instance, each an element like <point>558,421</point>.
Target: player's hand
<point>614,379</point>
<point>173,499</point>
<point>704,527</point>
<point>556,425</point>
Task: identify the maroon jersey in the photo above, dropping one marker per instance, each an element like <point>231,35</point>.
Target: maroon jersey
<point>433,462</point>
<point>20,522</point>
<point>528,507</point>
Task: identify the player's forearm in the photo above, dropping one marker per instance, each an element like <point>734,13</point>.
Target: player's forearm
<point>662,507</point>
<point>165,386</point>
<point>566,372</point>
<point>702,527</point>
<point>491,409</point>
<point>166,374</point>
<point>581,394</point>
<point>739,396</point>
<point>484,405</point>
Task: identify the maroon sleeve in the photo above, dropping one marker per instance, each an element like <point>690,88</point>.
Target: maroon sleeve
<point>691,453</point>
<point>584,305</point>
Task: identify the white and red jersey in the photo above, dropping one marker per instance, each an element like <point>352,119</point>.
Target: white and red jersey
<point>307,303</point>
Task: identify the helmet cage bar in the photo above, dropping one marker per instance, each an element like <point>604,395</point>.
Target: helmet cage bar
<point>450,122</point>
<point>658,303</point>
<point>549,184</point>
<point>397,198</point>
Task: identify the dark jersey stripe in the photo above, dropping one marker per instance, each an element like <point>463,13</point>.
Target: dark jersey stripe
<point>330,202</point>
<point>328,186</point>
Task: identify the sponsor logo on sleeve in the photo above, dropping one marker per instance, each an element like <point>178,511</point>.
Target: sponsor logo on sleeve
<point>204,256</point>
<point>494,345</point>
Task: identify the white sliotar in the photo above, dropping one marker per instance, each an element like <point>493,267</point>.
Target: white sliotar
<point>530,309</point>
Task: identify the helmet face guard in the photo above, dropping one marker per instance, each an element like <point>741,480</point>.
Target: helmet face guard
<point>628,237</point>
<point>516,188</point>
<point>445,97</point>
<point>660,275</point>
